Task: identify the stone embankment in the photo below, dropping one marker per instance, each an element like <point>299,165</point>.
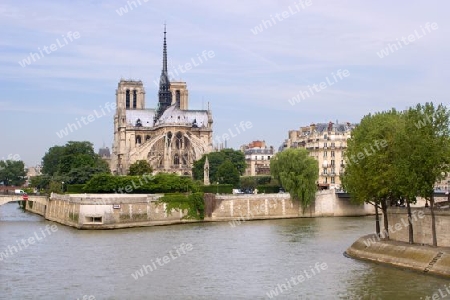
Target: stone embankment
<point>425,259</point>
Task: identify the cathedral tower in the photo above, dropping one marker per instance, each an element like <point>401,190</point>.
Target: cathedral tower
<point>164,93</point>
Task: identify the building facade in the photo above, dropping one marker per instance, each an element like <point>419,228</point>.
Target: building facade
<point>257,158</point>
<point>326,142</point>
<point>170,137</point>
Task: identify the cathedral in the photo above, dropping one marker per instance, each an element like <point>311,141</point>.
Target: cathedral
<point>170,137</point>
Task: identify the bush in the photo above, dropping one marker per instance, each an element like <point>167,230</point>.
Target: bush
<point>193,204</point>
<point>217,188</point>
<point>268,189</point>
<point>75,188</point>
<point>149,184</point>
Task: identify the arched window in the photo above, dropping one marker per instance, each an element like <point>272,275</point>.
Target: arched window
<point>179,140</point>
<point>168,138</point>
<point>134,98</point>
<point>127,99</point>
<point>178,97</point>
<point>147,137</point>
<point>176,159</point>
<point>138,139</point>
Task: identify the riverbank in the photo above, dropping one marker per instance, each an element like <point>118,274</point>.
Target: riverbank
<point>425,259</point>
<point>111,211</point>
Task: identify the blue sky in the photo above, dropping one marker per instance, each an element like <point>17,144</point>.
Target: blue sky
<point>251,77</point>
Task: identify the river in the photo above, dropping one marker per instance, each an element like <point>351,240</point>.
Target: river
<point>294,258</point>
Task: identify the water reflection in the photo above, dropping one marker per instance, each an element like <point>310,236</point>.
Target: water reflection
<point>242,262</point>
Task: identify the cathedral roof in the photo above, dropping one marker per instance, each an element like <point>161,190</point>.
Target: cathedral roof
<point>171,116</point>
<point>144,115</point>
<point>174,115</point>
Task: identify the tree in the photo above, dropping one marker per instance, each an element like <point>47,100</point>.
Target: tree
<point>297,172</point>
<point>227,173</point>
<point>370,172</point>
<point>237,158</point>
<point>430,157</point>
<point>140,167</point>
<point>75,162</point>
<point>415,157</point>
<point>51,160</point>
<point>12,172</point>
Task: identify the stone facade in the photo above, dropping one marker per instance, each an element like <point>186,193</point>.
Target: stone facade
<point>326,142</point>
<point>257,158</point>
<point>170,137</point>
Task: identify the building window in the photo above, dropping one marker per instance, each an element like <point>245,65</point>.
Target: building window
<point>325,144</point>
<point>332,153</point>
<point>138,139</point>
<point>147,138</point>
<point>176,159</point>
<point>325,154</point>
<point>324,170</point>
<point>332,162</point>
<point>127,99</point>
<point>134,99</point>
<point>332,179</point>
<point>178,97</point>
<point>179,140</point>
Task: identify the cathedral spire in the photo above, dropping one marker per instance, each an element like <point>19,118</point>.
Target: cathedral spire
<point>164,70</point>
<point>164,93</point>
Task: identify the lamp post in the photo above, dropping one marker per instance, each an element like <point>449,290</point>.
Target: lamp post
<point>217,190</point>
<point>62,187</point>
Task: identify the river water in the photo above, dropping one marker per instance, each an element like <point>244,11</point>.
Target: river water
<point>252,260</point>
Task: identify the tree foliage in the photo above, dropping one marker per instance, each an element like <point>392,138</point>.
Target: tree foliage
<point>227,173</point>
<point>370,157</point>
<point>12,172</point>
<point>140,167</point>
<point>160,183</point>
<point>416,156</point>
<point>192,204</point>
<point>237,158</point>
<point>297,172</point>
<point>73,163</point>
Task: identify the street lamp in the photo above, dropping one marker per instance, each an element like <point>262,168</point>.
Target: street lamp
<point>62,186</point>
<point>217,190</point>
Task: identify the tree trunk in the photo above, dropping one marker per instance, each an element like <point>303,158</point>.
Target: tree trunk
<point>410,229</point>
<point>385,218</point>
<point>433,220</point>
<point>377,220</point>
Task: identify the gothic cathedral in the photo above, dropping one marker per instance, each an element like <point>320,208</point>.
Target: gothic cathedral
<point>170,137</point>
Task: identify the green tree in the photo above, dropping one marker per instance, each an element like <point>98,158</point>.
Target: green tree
<point>428,151</point>
<point>40,181</point>
<point>227,173</point>
<point>51,160</point>
<point>237,158</point>
<point>370,171</point>
<point>12,172</point>
<point>73,163</point>
<point>297,172</point>
<point>140,167</point>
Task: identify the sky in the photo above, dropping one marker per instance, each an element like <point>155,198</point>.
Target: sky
<point>271,65</point>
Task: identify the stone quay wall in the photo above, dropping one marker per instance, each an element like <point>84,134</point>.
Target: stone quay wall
<point>421,221</point>
<point>109,211</point>
<point>277,206</point>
